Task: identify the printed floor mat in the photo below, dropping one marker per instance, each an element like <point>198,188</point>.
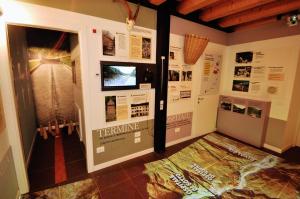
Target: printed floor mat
<point>218,167</point>
<point>84,189</point>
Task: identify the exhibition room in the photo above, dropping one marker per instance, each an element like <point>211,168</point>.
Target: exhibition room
<point>139,99</point>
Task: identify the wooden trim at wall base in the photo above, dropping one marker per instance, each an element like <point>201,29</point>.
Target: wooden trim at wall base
<point>273,148</point>
<point>276,149</point>
<point>179,140</point>
<point>18,195</point>
<point>186,139</point>
<point>30,151</point>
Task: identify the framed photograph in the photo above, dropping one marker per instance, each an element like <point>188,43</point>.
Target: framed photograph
<point>240,85</point>
<point>172,55</point>
<point>110,108</point>
<point>238,108</point>
<point>146,48</point>
<point>226,105</point>
<point>173,75</point>
<point>139,110</point>
<point>186,75</point>
<point>244,57</point>
<point>242,71</point>
<point>254,112</point>
<point>108,43</point>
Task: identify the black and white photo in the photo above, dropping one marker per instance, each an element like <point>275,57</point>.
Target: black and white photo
<point>242,71</point>
<point>240,85</point>
<point>108,43</point>
<point>173,75</point>
<point>244,57</point>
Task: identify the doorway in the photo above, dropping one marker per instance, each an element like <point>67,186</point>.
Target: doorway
<point>298,133</point>
<point>48,95</point>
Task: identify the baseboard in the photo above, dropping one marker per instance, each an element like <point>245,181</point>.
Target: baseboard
<point>179,140</point>
<point>122,159</point>
<point>77,128</point>
<point>273,148</point>
<point>30,151</point>
<point>185,139</point>
<point>18,195</point>
<point>286,148</point>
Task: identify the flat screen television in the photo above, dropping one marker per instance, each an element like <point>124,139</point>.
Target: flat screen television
<point>118,76</point>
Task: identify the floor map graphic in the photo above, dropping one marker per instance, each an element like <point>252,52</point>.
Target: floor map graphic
<point>218,167</point>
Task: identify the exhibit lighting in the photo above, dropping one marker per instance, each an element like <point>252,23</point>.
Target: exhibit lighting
<point>292,20</point>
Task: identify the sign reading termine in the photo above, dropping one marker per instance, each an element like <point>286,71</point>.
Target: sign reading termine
<point>108,143</point>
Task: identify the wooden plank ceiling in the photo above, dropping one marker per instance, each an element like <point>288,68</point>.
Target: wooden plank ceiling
<point>231,15</point>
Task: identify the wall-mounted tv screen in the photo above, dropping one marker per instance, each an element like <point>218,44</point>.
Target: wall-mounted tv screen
<point>118,76</point>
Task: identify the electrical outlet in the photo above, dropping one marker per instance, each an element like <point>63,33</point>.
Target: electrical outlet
<point>137,134</point>
<point>177,130</point>
<point>137,140</point>
<point>100,149</point>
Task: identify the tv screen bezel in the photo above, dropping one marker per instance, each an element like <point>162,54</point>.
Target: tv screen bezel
<point>125,64</point>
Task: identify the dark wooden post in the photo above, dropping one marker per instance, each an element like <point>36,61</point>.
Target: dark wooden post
<point>162,61</point>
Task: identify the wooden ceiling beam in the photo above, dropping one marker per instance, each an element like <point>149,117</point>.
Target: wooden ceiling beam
<point>230,7</point>
<point>157,2</point>
<point>255,24</point>
<point>268,10</point>
<point>188,6</point>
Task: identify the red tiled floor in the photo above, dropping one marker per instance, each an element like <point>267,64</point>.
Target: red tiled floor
<point>140,183</point>
<point>126,180</point>
<point>123,190</point>
<point>41,179</point>
<point>41,171</point>
<point>133,167</point>
<point>109,177</point>
<point>60,167</point>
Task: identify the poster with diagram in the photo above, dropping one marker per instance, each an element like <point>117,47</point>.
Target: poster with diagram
<point>114,43</point>
<point>211,71</point>
<point>139,47</point>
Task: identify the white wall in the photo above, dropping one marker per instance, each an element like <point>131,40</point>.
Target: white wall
<point>204,112</point>
<point>278,52</point>
<point>90,52</point>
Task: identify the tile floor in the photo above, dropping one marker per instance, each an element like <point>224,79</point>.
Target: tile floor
<point>41,170</point>
<point>124,180</point>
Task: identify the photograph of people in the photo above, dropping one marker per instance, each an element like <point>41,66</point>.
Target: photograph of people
<point>173,75</point>
<point>146,48</point>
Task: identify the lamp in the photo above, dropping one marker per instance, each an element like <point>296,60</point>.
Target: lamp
<point>194,46</point>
